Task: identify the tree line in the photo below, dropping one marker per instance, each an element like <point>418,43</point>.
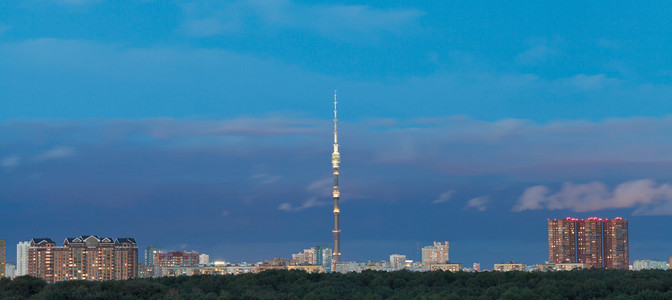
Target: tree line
<point>281,284</point>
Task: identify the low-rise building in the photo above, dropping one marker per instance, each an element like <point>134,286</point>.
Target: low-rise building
<point>510,266</point>
<point>649,264</point>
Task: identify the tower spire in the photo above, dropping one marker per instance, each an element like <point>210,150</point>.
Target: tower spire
<point>335,163</point>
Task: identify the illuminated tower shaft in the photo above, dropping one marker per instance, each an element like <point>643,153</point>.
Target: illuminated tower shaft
<point>335,162</point>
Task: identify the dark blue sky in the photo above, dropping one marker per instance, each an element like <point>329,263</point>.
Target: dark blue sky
<point>205,125</point>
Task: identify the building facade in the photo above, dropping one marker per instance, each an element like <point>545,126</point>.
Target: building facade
<point>204,259</point>
<point>616,244</point>
<point>436,254</point>
<point>22,258</point>
<point>589,242</point>
<point>646,264</point>
<point>149,254</point>
<point>562,241</point>
<point>173,260</point>
<point>3,253</point>
<point>595,242</point>
<point>85,257</point>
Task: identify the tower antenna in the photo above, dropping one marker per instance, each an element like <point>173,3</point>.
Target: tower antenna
<point>335,163</point>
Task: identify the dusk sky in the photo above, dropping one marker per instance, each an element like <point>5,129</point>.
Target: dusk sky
<point>206,125</point>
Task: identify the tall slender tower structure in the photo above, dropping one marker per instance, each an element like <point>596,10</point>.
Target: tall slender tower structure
<point>335,162</point>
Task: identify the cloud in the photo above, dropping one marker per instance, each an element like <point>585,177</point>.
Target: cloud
<point>312,202</point>
<point>536,55</point>
<point>583,82</point>
<point>596,196</point>
<point>207,18</point>
<point>55,153</point>
<point>478,203</point>
<point>11,161</point>
<point>445,196</point>
<point>226,213</point>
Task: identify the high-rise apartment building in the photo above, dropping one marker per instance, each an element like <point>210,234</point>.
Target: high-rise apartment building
<point>595,242</point>
<point>85,257</point>
<point>562,241</point>
<point>3,252</point>
<point>22,258</point>
<point>149,254</point>
<point>589,242</point>
<point>436,254</point>
<point>616,244</point>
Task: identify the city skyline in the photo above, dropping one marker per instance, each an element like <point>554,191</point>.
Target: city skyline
<point>463,122</point>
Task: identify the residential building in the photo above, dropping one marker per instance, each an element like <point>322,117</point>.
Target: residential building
<point>86,257</point>
<point>10,270</point>
<point>510,266</point>
<point>22,258</point>
<point>176,258</point>
<point>203,259</point>
<point>595,242</point>
<point>149,254</point>
<point>562,241</point>
<point>589,242</point>
<point>616,247</point>
<point>3,252</point>
<point>436,254</point>
<point>397,261</point>
<point>445,267</point>
<point>646,264</point>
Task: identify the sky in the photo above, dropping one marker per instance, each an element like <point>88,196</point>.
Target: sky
<point>207,125</point>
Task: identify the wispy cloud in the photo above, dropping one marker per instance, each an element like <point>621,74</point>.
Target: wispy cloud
<point>536,55</point>
<point>595,196</point>
<point>478,203</point>
<point>445,196</point>
<point>312,202</point>
<point>11,161</point>
<point>55,153</point>
<point>207,18</point>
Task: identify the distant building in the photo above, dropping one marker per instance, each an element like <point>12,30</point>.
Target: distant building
<point>323,255</point>
<point>164,262</point>
<point>204,259</point>
<point>436,254</point>
<point>397,261</point>
<point>477,267</point>
<point>589,242</point>
<point>558,267</point>
<point>595,242</point>
<point>149,254</point>
<point>670,265</point>
<point>562,241</point>
<point>616,247</point>
<point>510,266</point>
<point>3,252</point>
<point>85,257</point>
<point>646,264</point>
<point>445,267</point>
<point>22,258</point>
<point>307,268</point>
<point>10,270</point>
<point>176,258</point>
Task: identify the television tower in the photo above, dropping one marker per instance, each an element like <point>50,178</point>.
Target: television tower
<point>335,162</point>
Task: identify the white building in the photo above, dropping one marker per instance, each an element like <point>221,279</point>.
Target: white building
<point>647,264</point>
<point>397,261</point>
<point>10,270</point>
<point>22,258</point>
<point>436,254</point>
<point>203,259</point>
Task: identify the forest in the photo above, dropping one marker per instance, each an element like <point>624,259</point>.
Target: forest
<point>583,284</point>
